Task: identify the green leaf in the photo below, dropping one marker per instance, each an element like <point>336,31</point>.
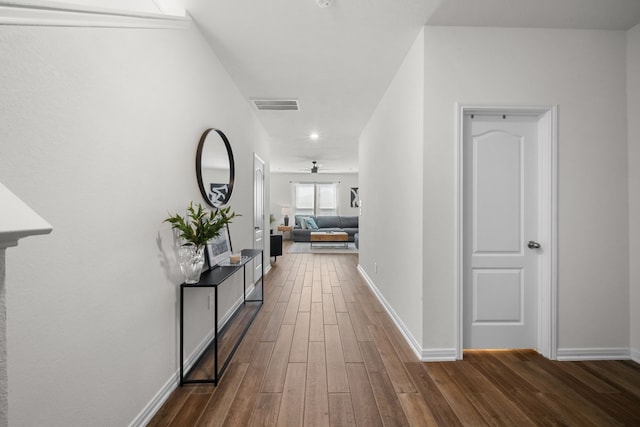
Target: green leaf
<point>199,225</point>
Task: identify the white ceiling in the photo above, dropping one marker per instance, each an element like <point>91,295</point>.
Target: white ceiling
<point>337,62</point>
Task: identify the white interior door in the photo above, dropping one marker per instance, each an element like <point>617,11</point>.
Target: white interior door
<point>258,213</point>
<point>500,288</point>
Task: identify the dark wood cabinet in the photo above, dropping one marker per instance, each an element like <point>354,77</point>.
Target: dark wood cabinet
<point>276,245</point>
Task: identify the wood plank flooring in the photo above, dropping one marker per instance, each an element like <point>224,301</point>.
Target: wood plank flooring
<point>323,352</point>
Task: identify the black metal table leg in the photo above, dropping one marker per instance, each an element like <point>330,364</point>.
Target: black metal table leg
<point>181,335</point>
<point>215,339</point>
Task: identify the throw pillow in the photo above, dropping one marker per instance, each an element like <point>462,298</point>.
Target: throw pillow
<point>311,223</point>
<point>303,222</point>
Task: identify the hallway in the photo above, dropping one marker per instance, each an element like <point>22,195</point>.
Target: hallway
<point>322,351</point>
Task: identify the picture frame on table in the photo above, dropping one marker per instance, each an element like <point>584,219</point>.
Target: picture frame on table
<point>219,248</point>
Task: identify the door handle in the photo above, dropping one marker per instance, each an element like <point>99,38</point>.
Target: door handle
<point>533,245</point>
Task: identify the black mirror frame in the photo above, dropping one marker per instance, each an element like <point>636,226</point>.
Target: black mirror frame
<point>203,190</point>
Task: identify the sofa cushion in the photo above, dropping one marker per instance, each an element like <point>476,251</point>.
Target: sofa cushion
<point>311,223</point>
<point>328,221</point>
<point>350,231</point>
<point>349,221</point>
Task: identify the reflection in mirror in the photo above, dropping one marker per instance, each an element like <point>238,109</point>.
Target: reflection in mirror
<point>215,167</point>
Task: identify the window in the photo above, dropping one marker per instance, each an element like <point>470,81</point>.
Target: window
<point>315,198</point>
<point>304,199</point>
<point>327,199</point>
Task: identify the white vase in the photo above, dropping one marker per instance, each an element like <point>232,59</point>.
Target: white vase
<point>191,262</point>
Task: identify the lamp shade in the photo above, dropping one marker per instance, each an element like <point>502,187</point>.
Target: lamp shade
<point>286,211</point>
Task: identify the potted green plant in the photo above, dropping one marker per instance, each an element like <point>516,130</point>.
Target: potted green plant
<point>272,219</point>
<point>196,229</point>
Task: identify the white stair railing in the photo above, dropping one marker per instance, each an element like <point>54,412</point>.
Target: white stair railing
<point>17,220</point>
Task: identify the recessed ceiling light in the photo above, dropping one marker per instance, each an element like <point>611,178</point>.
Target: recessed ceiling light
<point>314,136</point>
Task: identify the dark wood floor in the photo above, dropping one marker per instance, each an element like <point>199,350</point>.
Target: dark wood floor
<point>323,352</point>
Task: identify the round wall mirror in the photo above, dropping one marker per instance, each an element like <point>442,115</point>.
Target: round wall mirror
<point>215,167</point>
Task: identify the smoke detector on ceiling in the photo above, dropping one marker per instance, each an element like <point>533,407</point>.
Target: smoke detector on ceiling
<point>324,3</point>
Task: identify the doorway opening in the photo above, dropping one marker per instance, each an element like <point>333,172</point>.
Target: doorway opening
<point>258,214</point>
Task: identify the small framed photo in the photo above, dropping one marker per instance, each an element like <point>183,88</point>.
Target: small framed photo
<point>219,248</point>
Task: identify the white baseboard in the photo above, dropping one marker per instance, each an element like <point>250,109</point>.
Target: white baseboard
<point>413,343</point>
<point>449,354</point>
<point>438,355</point>
<point>143,418</point>
<point>578,354</point>
<point>424,355</point>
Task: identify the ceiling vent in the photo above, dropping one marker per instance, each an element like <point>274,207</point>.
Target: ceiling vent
<point>276,104</point>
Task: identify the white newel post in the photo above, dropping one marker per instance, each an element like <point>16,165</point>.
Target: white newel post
<point>4,399</point>
<point>17,220</point>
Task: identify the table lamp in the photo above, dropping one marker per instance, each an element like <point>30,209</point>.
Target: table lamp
<point>285,212</point>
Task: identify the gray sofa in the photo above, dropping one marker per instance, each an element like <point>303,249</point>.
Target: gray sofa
<point>348,224</point>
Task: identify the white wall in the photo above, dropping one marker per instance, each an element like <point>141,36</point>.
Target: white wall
<point>390,151</point>
<point>633,115</point>
<point>583,72</point>
<point>98,135</point>
<point>280,188</point>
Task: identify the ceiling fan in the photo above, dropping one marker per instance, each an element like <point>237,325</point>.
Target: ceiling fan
<point>315,167</point>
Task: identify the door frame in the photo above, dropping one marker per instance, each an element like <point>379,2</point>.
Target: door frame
<point>261,269</point>
<point>547,220</point>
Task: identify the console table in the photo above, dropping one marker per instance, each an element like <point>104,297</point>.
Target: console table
<point>214,278</point>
